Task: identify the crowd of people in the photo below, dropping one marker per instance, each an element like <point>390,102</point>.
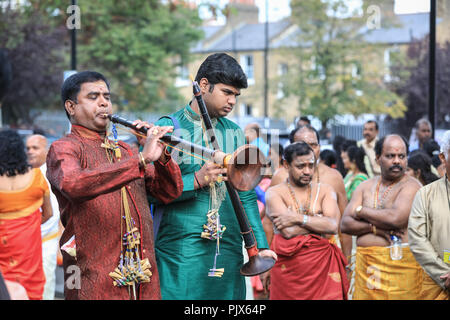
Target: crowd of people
<point>366,220</point>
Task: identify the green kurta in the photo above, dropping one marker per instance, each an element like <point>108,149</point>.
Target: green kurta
<point>183,257</point>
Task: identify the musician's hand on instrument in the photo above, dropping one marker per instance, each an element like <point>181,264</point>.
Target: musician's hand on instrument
<point>209,173</point>
<point>153,148</point>
<point>139,135</point>
<point>267,253</point>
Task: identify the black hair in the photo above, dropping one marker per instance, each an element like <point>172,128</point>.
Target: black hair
<point>373,121</point>
<point>431,147</point>
<point>380,143</point>
<point>356,155</point>
<point>347,144</point>
<point>337,147</point>
<point>222,68</point>
<point>306,126</point>
<point>13,159</point>
<point>304,118</point>
<point>422,161</point>
<point>72,85</point>
<point>329,157</point>
<point>337,143</point>
<point>436,161</point>
<point>296,149</point>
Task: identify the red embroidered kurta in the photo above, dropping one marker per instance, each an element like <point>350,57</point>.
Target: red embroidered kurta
<point>88,187</point>
<point>308,268</point>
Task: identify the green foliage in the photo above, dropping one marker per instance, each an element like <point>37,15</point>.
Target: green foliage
<point>34,52</point>
<point>335,71</point>
<point>136,44</point>
<point>412,82</point>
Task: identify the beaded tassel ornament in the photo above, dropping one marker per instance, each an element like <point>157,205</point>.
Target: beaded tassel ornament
<point>213,230</point>
<point>131,269</point>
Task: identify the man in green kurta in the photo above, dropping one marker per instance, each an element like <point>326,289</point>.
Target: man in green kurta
<point>185,258</point>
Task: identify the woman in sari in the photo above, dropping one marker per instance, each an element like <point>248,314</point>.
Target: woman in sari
<point>24,205</point>
<point>353,159</point>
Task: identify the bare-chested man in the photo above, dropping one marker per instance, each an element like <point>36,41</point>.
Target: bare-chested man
<point>323,174</point>
<point>378,210</point>
<point>309,267</point>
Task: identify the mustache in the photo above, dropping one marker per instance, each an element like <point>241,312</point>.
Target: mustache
<point>396,166</point>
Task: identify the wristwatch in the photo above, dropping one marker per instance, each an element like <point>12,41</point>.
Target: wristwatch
<point>358,210</point>
<point>305,219</point>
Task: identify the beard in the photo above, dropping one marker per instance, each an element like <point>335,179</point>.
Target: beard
<point>299,183</point>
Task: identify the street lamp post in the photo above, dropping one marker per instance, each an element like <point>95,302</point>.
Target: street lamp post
<point>266,66</point>
<point>432,68</point>
<point>73,35</point>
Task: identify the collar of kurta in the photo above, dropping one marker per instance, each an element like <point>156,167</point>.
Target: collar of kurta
<point>86,133</point>
<point>372,143</point>
<point>191,115</point>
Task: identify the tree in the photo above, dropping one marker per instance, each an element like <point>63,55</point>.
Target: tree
<point>34,52</point>
<point>412,71</point>
<point>135,44</point>
<point>333,72</point>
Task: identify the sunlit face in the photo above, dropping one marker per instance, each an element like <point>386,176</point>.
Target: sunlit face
<point>93,101</point>
<point>301,169</point>
<point>36,150</point>
<point>370,131</point>
<point>220,102</point>
<point>393,160</point>
<point>345,160</point>
<point>310,138</point>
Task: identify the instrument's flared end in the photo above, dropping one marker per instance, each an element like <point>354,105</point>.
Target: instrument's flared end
<point>257,265</point>
<point>246,167</point>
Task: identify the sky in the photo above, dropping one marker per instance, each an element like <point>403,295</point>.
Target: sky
<point>279,9</point>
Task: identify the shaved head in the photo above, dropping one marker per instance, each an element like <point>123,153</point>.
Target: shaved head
<point>37,148</point>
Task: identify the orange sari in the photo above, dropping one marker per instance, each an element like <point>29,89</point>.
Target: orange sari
<point>20,235</point>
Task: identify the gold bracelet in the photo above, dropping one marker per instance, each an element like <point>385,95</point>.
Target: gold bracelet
<point>142,160</point>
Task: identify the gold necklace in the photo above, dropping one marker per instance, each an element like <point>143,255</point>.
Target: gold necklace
<point>379,203</point>
<point>299,208</point>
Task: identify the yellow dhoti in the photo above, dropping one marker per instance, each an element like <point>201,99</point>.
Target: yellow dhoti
<point>432,291</point>
<point>377,277</point>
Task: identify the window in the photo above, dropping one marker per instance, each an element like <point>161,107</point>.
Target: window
<point>182,79</point>
<point>389,58</point>
<point>248,67</point>
<point>282,72</point>
<point>356,70</point>
<point>246,110</point>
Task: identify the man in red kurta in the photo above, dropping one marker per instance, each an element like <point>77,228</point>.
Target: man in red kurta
<point>87,177</point>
